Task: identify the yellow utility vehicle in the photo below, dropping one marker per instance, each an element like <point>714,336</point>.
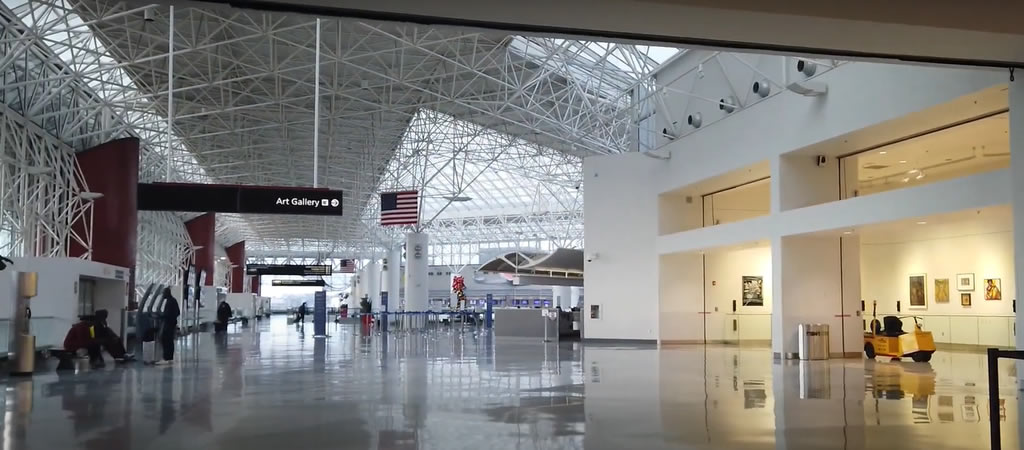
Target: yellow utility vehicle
<point>893,342</point>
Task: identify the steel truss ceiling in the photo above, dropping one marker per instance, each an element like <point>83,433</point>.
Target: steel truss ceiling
<point>503,120</point>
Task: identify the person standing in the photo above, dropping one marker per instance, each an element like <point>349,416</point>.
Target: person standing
<point>223,316</point>
<point>301,317</point>
<point>169,326</point>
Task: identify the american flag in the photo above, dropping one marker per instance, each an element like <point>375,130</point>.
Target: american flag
<point>347,266</point>
<point>399,208</point>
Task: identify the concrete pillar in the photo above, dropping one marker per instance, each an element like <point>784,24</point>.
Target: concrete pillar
<point>417,289</point>
<point>236,256</point>
<point>561,296</point>
<point>202,230</point>
<point>373,284</point>
<point>393,278</point>
<point>112,169</point>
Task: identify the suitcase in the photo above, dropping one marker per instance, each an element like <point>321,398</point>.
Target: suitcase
<point>149,352</point>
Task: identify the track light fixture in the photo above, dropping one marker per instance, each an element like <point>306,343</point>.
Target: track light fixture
<point>694,120</point>
<point>808,68</point>
<point>728,104</point>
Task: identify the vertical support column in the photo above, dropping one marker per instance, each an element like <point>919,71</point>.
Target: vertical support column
<point>416,287</point>
<point>254,284</point>
<point>202,231</point>
<point>393,280</point>
<point>236,256</point>
<point>170,92</point>
<point>112,169</point>
<point>1017,170</point>
<point>816,279</point>
<point>373,284</point>
<point>316,110</point>
<point>561,296</point>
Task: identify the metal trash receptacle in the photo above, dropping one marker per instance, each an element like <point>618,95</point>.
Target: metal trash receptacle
<point>813,341</point>
<point>25,357</point>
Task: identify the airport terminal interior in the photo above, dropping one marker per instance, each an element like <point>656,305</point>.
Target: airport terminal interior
<point>394,225</point>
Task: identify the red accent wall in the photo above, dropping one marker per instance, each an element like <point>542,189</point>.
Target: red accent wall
<point>236,255</point>
<point>254,284</point>
<point>202,231</point>
<point>112,169</point>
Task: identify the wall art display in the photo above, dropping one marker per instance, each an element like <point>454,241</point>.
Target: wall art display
<point>993,289</point>
<point>965,282</point>
<point>965,299</point>
<point>753,294</point>
<point>942,290</point>
<point>917,292</point>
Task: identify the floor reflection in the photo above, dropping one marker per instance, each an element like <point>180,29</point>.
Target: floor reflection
<point>276,386</point>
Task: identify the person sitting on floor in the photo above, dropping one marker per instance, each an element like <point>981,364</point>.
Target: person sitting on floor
<point>108,339</point>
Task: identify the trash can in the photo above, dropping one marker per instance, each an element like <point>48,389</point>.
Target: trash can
<point>25,356</point>
<point>812,341</point>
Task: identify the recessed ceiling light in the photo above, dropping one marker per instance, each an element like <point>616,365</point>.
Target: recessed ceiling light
<point>882,152</point>
<point>847,232</point>
<point>906,180</point>
<point>903,161</point>
<point>922,223</point>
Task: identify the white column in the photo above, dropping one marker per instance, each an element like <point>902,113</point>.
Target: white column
<point>373,284</point>
<point>360,284</point>
<point>577,292</point>
<point>1017,169</point>
<point>561,296</point>
<point>393,279</point>
<point>416,282</point>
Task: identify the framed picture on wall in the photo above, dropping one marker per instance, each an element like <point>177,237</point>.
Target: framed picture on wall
<point>965,299</point>
<point>917,292</point>
<point>942,290</point>
<point>993,289</point>
<point>965,282</point>
<point>753,292</point>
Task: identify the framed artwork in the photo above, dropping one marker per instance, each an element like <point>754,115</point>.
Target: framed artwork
<point>753,293</point>
<point>965,282</point>
<point>993,289</point>
<point>917,292</point>
<point>942,290</point>
<point>965,299</point>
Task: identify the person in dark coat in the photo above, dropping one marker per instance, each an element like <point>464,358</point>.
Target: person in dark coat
<point>82,335</point>
<point>108,339</point>
<point>223,315</point>
<point>300,315</point>
<point>169,326</point>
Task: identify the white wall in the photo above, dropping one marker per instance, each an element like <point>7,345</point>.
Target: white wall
<point>621,226</point>
<point>681,305</point>
<point>724,272</point>
<point>860,95</point>
<point>886,267</point>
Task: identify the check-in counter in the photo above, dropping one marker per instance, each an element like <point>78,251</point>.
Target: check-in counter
<point>526,322</point>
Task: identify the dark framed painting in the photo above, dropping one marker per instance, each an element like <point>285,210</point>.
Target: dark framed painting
<point>965,299</point>
<point>965,282</point>
<point>753,291</point>
<point>993,289</point>
<point>942,290</point>
<point>917,292</point>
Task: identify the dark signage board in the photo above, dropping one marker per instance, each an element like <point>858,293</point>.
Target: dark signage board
<point>306,270</point>
<point>239,199</point>
<point>298,283</point>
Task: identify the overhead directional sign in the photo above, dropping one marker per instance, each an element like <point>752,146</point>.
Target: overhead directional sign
<point>298,283</point>
<point>289,269</point>
<point>239,199</point>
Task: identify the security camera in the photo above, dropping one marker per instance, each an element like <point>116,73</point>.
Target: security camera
<point>762,88</point>
<point>694,120</point>
<point>668,134</point>
<point>591,257</point>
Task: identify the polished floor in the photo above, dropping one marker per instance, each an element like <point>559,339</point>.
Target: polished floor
<point>276,387</point>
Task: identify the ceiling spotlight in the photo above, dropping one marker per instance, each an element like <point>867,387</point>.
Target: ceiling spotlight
<point>848,232</point>
<point>882,152</point>
<point>694,120</point>
<point>762,88</point>
<point>728,104</point>
<point>147,15</point>
<point>906,180</point>
<point>922,223</point>
<point>903,161</point>
<point>806,67</point>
